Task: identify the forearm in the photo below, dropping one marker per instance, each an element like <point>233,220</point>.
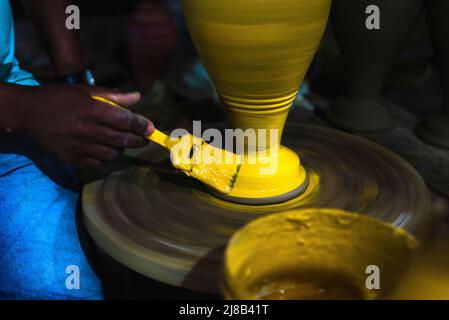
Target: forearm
<point>63,45</point>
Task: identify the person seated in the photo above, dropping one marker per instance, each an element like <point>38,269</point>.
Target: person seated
<point>52,126</point>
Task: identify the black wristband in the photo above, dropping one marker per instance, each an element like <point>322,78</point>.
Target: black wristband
<point>85,77</point>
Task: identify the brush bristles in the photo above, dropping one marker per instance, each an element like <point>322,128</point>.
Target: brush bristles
<point>215,167</point>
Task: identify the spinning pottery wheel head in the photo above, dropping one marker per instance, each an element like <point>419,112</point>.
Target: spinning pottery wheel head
<point>170,228</point>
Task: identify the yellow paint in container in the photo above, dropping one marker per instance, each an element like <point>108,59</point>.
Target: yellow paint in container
<point>315,254</point>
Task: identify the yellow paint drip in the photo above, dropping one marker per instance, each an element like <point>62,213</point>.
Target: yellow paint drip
<point>257,53</point>
<point>314,254</point>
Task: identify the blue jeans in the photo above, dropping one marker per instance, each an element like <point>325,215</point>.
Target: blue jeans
<point>40,254</point>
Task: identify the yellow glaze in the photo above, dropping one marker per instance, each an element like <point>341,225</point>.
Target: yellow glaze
<point>314,254</point>
<point>270,175</point>
<point>304,199</point>
<point>257,53</point>
<point>214,167</point>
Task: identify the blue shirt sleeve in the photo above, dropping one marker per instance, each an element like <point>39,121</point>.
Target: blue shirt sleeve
<point>10,71</point>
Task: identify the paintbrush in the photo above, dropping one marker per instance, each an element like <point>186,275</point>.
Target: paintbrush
<point>217,168</point>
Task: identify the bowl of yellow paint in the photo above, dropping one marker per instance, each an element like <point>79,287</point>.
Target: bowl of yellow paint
<point>315,254</point>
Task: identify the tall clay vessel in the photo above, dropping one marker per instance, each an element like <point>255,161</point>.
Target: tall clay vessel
<point>368,56</point>
<point>435,129</point>
<point>257,53</point>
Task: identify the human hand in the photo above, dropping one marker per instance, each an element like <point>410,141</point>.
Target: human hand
<point>77,129</point>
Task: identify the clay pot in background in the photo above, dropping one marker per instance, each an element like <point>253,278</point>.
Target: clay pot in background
<point>435,128</point>
<point>150,40</point>
<point>368,57</point>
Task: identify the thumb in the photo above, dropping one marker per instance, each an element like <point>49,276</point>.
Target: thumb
<point>123,99</point>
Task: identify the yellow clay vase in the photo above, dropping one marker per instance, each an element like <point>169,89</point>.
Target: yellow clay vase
<point>257,53</point>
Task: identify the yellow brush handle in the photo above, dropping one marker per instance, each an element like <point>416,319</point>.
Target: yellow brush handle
<point>156,136</point>
<point>101,99</point>
<point>161,139</point>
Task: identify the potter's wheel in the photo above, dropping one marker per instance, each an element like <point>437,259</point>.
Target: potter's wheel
<point>170,228</point>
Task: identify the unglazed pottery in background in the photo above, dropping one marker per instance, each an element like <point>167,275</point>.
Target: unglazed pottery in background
<point>368,56</point>
<point>150,39</point>
<point>435,129</point>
